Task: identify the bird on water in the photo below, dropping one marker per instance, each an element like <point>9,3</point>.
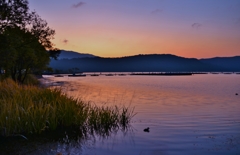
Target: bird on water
<point>146,130</point>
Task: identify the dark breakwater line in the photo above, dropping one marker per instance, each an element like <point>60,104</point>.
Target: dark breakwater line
<point>164,74</point>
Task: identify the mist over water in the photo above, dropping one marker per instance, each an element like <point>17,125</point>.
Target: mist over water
<point>196,114</point>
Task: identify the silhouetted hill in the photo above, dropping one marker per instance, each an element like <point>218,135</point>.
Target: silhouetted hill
<point>144,63</point>
<point>71,54</point>
<point>230,64</point>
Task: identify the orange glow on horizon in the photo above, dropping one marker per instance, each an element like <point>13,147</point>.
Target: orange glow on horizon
<point>107,43</point>
<point>199,29</point>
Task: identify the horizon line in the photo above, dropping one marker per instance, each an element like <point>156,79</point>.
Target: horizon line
<point>150,54</point>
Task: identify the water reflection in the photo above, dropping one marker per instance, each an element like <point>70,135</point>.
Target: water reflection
<point>61,142</point>
<point>186,115</point>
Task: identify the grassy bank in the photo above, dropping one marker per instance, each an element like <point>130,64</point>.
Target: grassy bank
<point>29,109</point>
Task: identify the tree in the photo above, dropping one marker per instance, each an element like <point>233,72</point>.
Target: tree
<point>23,53</point>
<point>25,40</point>
<point>14,13</point>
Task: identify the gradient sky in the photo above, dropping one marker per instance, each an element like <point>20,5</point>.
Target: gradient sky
<point>115,28</point>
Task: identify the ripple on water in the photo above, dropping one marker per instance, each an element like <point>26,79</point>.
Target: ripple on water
<point>186,115</point>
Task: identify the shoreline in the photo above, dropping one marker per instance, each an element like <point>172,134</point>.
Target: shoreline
<point>46,82</point>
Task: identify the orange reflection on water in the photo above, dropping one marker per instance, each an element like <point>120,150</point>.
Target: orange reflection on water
<point>185,114</point>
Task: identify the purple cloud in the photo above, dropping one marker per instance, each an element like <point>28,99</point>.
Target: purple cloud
<point>78,4</point>
<point>65,41</point>
<point>196,25</point>
<point>156,11</point>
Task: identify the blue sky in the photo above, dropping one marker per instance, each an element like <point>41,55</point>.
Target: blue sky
<point>113,28</point>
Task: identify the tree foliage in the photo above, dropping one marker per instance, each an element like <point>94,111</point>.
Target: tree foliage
<point>14,13</point>
<point>23,53</point>
<point>25,40</point>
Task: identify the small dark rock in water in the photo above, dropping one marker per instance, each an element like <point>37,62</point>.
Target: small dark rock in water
<point>236,94</point>
<point>146,130</point>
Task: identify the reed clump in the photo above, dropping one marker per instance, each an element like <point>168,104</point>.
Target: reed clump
<point>27,109</point>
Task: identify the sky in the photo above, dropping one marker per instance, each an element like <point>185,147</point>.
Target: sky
<point>116,28</point>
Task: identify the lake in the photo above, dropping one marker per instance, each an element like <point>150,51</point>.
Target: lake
<point>195,115</point>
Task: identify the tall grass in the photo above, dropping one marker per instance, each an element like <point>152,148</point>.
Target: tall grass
<point>31,80</point>
<point>28,109</point>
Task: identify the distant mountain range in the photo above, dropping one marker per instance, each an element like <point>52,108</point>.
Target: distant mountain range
<point>144,63</point>
<point>224,63</point>
<point>71,54</point>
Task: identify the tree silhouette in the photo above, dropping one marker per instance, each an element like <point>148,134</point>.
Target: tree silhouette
<point>25,40</point>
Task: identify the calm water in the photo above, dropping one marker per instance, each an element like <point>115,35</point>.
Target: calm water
<point>193,115</point>
<point>197,114</point>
